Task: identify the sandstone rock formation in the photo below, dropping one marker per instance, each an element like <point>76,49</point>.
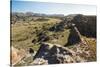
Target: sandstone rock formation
<point>16,55</point>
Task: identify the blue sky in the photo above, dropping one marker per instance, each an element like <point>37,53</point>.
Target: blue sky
<point>52,8</point>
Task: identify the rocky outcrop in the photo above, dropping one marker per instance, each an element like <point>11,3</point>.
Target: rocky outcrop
<point>85,24</point>
<point>74,37</point>
<point>57,27</point>
<point>55,54</point>
<point>42,37</point>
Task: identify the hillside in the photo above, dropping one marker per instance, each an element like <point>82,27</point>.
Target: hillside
<point>40,34</point>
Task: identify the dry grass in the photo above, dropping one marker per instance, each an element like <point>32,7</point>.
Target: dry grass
<point>23,33</point>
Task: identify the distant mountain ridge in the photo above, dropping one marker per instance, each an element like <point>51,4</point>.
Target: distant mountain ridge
<point>36,14</point>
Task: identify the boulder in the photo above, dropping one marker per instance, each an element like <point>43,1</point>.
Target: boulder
<point>53,54</point>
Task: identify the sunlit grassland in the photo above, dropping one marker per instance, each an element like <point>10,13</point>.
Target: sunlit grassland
<point>22,34</point>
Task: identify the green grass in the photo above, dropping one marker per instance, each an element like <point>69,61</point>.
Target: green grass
<point>23,33</point>
<point>62,37</point>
